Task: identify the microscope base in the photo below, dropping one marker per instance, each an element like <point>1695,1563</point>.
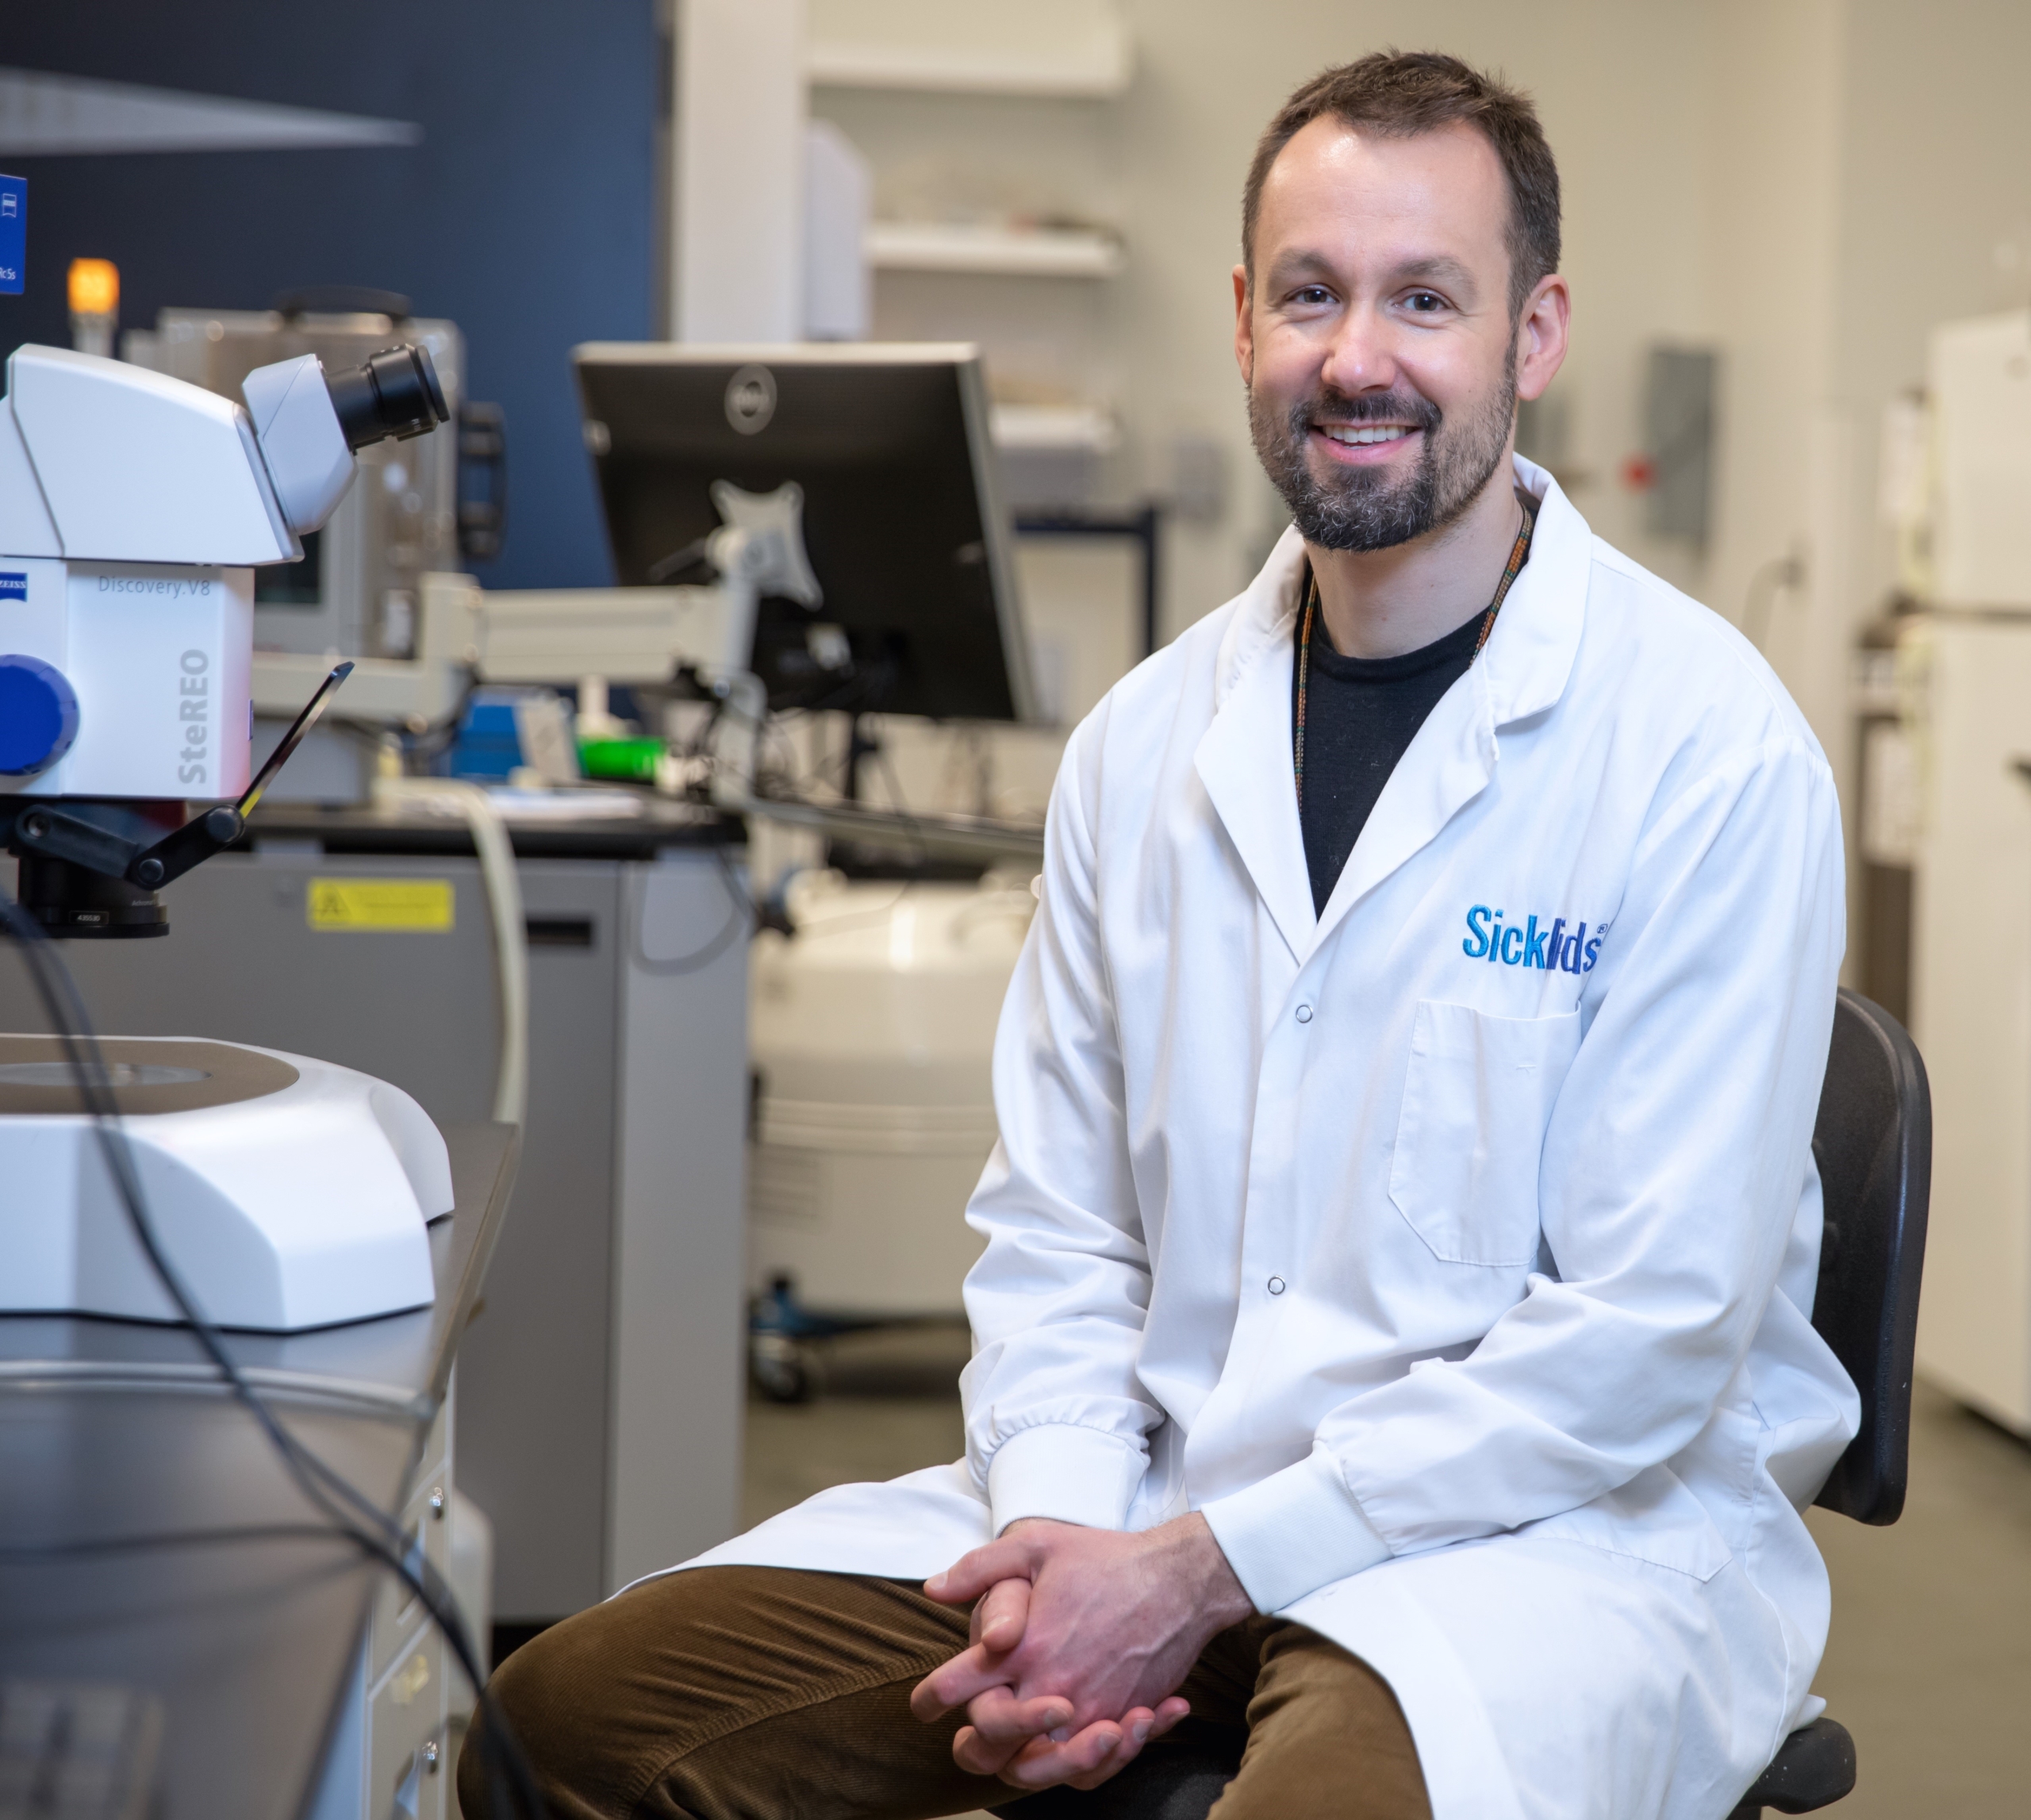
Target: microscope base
<point>288,1193</point>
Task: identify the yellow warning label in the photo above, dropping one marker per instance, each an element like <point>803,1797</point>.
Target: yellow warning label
<point>401,904</point>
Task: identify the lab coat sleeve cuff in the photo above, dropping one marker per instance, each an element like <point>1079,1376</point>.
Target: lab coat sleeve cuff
<point>1071,1474</point>
<point>1294,1532</point>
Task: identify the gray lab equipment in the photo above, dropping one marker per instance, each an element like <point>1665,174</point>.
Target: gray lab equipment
<point>600,1389</point>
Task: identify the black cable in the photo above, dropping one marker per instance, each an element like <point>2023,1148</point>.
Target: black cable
<point>440,736</point>
<point>424,746</point>
<point>326,1490</point>
<point>860,691</point>
<point>900,807</point>
<point>143,1541</point>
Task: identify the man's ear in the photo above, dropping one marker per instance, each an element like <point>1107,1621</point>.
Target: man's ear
<point>1244,328</point>
<point>1540,338</point>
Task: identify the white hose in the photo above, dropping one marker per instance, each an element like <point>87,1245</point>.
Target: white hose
<point>503,898</point>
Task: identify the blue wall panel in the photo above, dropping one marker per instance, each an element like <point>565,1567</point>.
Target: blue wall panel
<point>525,214</point>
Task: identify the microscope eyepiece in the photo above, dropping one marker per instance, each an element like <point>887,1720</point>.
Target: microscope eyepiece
<point>396,394</point>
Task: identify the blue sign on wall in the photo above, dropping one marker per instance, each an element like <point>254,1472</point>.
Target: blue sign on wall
<point>14,233</point>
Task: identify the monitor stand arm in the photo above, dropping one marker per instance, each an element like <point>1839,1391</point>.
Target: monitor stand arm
<point>757,550</point>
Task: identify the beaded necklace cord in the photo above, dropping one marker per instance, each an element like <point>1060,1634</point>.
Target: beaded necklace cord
<point>1520,551</point>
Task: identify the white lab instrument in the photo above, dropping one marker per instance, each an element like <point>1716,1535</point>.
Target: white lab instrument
<point>288,1193</point>
<point>872,1035</point>
<point>1964,673</point>
<point>1980,382</point>
<point>133,508</point>
<point>1969,712</point>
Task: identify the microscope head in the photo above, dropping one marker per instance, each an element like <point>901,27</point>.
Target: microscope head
<point>133,510</point>
<point>101,461</point>
<point>309,423</point>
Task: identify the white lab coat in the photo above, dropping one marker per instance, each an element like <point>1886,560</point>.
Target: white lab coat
<point>1453,1251</point>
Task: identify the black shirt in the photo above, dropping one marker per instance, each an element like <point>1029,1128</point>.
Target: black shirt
<point>1362,714</point>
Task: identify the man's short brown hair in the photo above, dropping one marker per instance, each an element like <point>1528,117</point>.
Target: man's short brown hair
<point>1398,94</point>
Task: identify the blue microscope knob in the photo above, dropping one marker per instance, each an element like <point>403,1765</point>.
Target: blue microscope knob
<point>38,714</point>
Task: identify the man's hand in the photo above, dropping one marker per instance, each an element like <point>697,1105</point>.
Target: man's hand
<point>1078,1637</point>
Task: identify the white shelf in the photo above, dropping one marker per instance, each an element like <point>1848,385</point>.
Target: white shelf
<point>1085,429</point>
<point>962,247</point>
<point>1094,67</point>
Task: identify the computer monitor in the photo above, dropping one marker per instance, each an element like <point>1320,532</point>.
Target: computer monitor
<point>888,442</point>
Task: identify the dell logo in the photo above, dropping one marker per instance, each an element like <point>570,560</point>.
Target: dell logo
<point>751,399</point>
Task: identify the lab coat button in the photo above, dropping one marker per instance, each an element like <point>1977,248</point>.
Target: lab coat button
<point>1304,1014</point>
<point>1276,1285</point>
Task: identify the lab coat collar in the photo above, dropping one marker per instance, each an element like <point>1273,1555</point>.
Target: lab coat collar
<point>1244,759</point>
<point>1530,652</point>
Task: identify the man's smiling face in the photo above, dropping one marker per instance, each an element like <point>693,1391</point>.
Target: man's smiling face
<point>1378,337</point>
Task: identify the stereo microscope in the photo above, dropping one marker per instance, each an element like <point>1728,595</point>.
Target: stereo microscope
<point>134,509</point>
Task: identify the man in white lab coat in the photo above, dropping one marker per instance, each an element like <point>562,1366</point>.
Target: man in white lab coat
<point>1393,1331</point>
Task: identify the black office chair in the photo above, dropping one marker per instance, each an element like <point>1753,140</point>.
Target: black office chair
<point>1873,1142</point>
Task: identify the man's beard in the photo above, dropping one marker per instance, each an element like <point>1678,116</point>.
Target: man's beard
<point>1367,508</point>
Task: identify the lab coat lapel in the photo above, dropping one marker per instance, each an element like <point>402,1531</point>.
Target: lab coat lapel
<point>1522,671</point>
<point>1244,758</point>
<point>1530,654</point>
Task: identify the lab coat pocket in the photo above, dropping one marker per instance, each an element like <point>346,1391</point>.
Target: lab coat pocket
<point>1475,1103</point>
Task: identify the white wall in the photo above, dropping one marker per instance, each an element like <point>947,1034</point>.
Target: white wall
<point>1767,152</point>
<point>735,238</point>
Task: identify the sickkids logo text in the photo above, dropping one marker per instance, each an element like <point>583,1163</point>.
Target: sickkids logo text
<point>1563,945</point>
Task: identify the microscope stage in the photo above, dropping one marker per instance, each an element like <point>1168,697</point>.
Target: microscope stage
<point>288,1193</point>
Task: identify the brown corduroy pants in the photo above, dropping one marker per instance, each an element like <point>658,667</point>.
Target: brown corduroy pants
<point>750,1693</point>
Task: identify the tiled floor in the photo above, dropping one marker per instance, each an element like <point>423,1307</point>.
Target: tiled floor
<point>889,1405</point>
<point>1929,1664</point>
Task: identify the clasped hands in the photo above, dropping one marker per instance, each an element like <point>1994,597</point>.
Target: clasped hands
<point>1079,1640</point>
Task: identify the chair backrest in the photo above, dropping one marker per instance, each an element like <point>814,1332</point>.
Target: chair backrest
<point>1873,1142</point>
